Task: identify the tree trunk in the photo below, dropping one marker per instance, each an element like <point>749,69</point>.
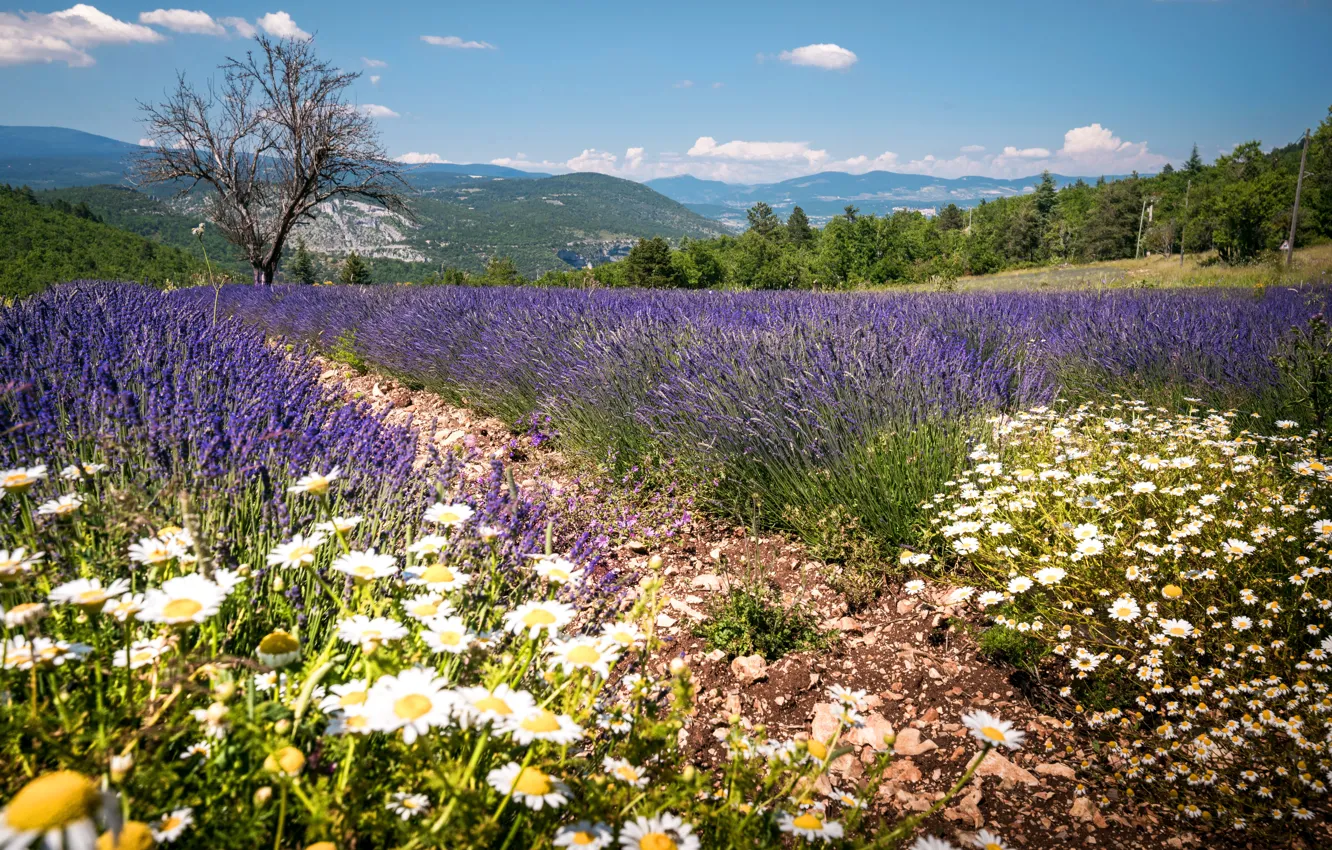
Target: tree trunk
<point>263,275</point>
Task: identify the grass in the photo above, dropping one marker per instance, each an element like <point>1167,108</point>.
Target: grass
<point>750,619</point>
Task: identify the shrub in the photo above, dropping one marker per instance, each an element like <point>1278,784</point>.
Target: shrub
<point>750,619</point>
<point>1177,565</point>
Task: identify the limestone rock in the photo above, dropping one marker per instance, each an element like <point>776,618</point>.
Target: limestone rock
<point>1008,773</point>
<point>909,743</point>
<point>749,669</point>
<point>1055,769</point>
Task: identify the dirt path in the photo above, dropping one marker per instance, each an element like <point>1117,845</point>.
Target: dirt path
<point>921,671</point>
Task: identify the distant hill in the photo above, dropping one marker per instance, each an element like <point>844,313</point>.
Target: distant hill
<point>465,214</point>
<point>42,244</point>
<point>825,194</point>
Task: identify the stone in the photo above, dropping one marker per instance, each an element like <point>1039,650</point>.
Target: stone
<point>1055,769</point>
<point>902,770</point>
<point>709,581</point>
<point>872,733</point>
<point>665,620</point>
<point>1085,810</point>
<point>909,743</point>
<point>967,810</point>
<point>749,669</point>
<point>906,606</point>
<point>1008,773</point>
<point>401,397</point>
<point>638,547</point>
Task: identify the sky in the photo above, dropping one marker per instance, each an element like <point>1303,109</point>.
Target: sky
<point>739,91</point>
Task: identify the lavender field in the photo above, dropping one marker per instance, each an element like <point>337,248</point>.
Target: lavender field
<point>799,406</point>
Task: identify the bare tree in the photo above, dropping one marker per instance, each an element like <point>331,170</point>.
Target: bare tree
<point>274,141</point>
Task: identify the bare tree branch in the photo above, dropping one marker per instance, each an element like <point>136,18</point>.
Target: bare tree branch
<point>275,140</point>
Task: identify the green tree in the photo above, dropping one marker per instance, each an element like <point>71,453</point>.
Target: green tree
<point>649,265</point>
<point>950,218</point>
<point>798,231</point>
<point>762,220</point>
<point>500,271</point>
<point>1194,163</point>
<point>302,265</point>
<point>355,270</point>
<point>850,211</point>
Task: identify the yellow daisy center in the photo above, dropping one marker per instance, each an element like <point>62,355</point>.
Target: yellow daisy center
<point>357,721</point>
<point>18,479</point>
<point>538,617</point>
<point>541,721</point>
<point>532,782</point>
<point>353,698</point>
<point>412,706</point>
<point>92,597</point>
<point>558,574</point>
<point>277,643</point>
<point>1172,591</point>
<point>364,571</point>
<point>623,637</point>
<point>437,574</point>
<point>182,609</point>
<point>582,839</point>
<point>584,655</point>
<point>51,802</point>
<point>817,749</point>
<point>141,656</point>
<point>134,835</point>
<point>627,773</point>
<point>808,821</point>
<point>494,705</point>
<point>993,733</point>
<point>657,841</point>
<point>426,609</point>
<point>449,638</point>
<point>994,845</point>
<point>170,823</point>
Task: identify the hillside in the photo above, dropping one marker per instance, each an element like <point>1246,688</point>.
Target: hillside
<point>42,245</point>
<point>465,214</point>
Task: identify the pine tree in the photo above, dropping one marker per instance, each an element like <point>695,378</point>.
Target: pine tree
<point>950,218</point>
<point>1194,163</point>
<point>302,265</point>
<point>798,231</point>
<point>1045,197</point>
<point>649,265</point>
<point>355,270</point>
<point>762,220</point>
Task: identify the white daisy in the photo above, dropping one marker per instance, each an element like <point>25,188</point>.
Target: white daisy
<point>810,825</point>
<point>1125,609</point>
<point>533,618</point>
<point>441,577</point>
<point>584,835</point>
<point>370,632</point>
<point>584,653</point>
<point>427,606</point>
<point>530,786</point>
<point>1019,584</point>
<point>75,473</point>
<point>60,507</point>
<point>346,696</point>
<point>478,706</point>
<point>448,634</point>
<point>623,771</point>
<point>1050,575</point>
<point>366,566</point>
<point>297,552</point>
<point>55,808</point>
<point>340,524</point>
<point>17,563</point>
<point>20,480</point>
<point>986,840</point>
<point>315,483</point>
<point>415,701</point>
<point>140,653</point>
<point>88,593</point>
<point>152,550</point>
<point>624,633</point>
<point>556,569</point>
<point>541,724</point>
<point>182,600</point>
<point>988,729</point>
<point>666,831</point>
<point>1176,628</point>
<point>449,516</point>
<point>408,806</point>
<point>170,827</point>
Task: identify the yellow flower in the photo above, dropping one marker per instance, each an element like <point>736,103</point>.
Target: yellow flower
<point>134,835</point>
<point>288,760</point>
<point>48,806</point>
<point>278,649</point>
<point>1172,591</point>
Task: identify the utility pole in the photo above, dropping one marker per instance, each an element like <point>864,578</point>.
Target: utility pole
<point>1295,213</point>
<point>1183,228</point>
<point>1137,251</point>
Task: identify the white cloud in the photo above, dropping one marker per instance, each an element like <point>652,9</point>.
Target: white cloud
<point>374,110</point>
<point>65,36</point>
<point>280,25</point>
<point>1026,153</point>
<point>633,158</point>
<point>374,63</point>
<point>183,20</point>
<point>374,79</point>
<point>414,158</point>
<point>592,159</point>
<point>828,56</point>
<point>522,162</point>
<point>886,161</point>
<point>243,28</point>
<point>684,84</point>
<point>973,149</point>
<point>147,143</point>
<point>772,151</point>
<point>457,43</point>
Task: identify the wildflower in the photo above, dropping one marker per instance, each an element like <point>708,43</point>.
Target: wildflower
<point>20,480</point>
<point>989,729</point>
<point>1237,548</point>
<point>56,807</point>
<point>1088,548</point>
<point>199,748</point>
<point>170,827</point>
<point>140,653</point>
<point>427,606</point>
<point>1287,424</point>
<point>430,544</point>
<point>88,594</point>
<point>1125,609</point>
<point>315,484</point>
<point>480,705</point>
<point>1242,624</point>
<point>528,785</point>
<point>584,835</point>
<point>183,600</point>
<point>625,772</point>
<point>987,840</point>
<point>24,613</point>
<point>624,634</point>
<point>810,825</point>
<point>339,524</point>
<point>437,577</point>
<point>133,835</point>
<point>152,550</point>
<point>847,698</point>
<point>1176,628</point>
<point>533,618</point>
<point>557,570</point>
<point>666,831</point>
<point>989,597</point>
<point>1019,584</point>
<point>414,701</point>
<point>370,632</point>
<point>489,533</point>
<point>1172,591</point>
<point>930,842</point>
<point>408,806</point>
<point>198,231</point>
<point>447,634</point>
<point>541,724</point>
<point>448,516</point>
<point>345,696</point>
<point>60,507</point>
<point>74,472</point>
<point>584,653</point>
<point>278,649</point>
<point>17,563</point>
<point>124,607</point>
<point>366,566</point>
<point>1142,487</point>
<point>1050,575</point>
<point>914,586</point>
<point>297,552</point>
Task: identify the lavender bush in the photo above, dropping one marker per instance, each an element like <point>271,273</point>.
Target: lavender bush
<point>861,404</point>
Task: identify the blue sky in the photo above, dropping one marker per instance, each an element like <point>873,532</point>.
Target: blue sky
<point>736,91</point>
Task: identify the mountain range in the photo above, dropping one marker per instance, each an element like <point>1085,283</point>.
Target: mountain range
<point>827,193</point>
